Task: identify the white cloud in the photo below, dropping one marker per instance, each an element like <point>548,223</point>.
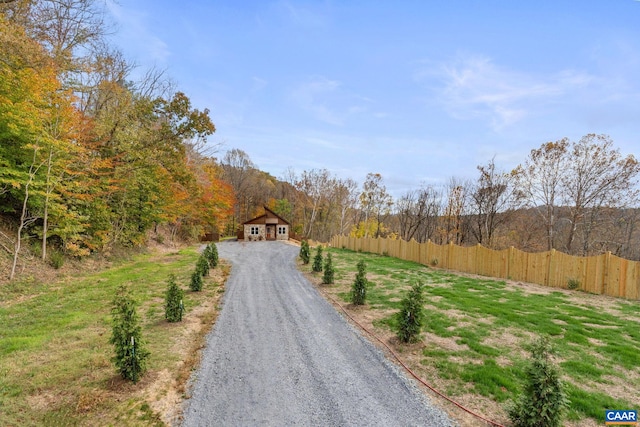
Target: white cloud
<point>474,87</point>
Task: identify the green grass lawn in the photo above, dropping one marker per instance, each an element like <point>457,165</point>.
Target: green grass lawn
<point>477,332</point>
<point>55,366</point>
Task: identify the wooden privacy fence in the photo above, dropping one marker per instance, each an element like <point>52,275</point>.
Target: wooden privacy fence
<point>601,274</point>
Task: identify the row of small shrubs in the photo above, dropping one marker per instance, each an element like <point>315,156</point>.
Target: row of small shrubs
<point>318,263</point>
<point>359,290</point>
<point>130,350</point>
<point>208,260</point>
<point>542,402</point>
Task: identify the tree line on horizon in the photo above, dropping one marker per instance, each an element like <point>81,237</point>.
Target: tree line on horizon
<point>93,158</point>
<point>578,197</point>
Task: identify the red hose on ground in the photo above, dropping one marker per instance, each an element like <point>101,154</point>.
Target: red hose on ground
<point>413,374</point>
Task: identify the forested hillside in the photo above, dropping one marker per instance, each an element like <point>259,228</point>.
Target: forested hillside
<point>93,158</point>
<point>89,157</point>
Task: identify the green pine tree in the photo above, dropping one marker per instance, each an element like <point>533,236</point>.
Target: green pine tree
<point>305,252</point>
<point>359,288</point>
<point>203,266</point>
<point>130,352</point>
<point>543,401</point>
<point>196,281</point>
<point>317,260</point>
<point>329,270</point>
<point>211,254</point>
<point>411,315</point>
<point>206,252</point>
<point>173,307</point>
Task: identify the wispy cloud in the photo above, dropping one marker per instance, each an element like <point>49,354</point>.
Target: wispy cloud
<point>311,96</point>
<point>136,32</point>
<point>474,87</point>
<point>302,16</point>
<point>329,100</point>
<point>258,83</point>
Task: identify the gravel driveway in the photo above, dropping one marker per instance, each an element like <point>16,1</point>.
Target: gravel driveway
<point>280,355</point>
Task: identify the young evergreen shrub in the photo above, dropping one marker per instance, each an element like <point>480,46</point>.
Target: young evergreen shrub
<point>329,270</point>
<point>543,401</point>
<point>196,281</point>
<point>206,252</point>
<point>317,260</point>
<point>359,288</point>
<point>202,266</point>
<point>130,353</point>
<point>211,253</point>
<point>411,315</point>
<point>305,252</point>
<point>173,307</point>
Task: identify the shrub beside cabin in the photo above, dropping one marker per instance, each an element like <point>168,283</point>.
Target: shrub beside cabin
<point>268,226</point>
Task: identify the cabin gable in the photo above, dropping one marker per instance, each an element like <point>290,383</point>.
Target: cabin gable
<point>268,226</point>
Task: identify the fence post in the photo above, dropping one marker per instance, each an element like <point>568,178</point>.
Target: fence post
<point>549,264</point>
<point>509,262</point>
<point>605,272</point>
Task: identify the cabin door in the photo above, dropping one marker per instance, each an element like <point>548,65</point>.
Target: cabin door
<point>271,232</point>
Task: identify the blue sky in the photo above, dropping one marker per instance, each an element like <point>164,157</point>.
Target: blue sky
<point>418,91</point>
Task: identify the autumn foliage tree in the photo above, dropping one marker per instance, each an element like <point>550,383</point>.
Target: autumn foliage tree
<point>91,159</point>
<point>375,203</point>
<point>38,127</point>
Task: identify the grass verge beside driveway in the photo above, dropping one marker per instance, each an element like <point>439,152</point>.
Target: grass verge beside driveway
<point>55,356</point>
<point>474,345</point>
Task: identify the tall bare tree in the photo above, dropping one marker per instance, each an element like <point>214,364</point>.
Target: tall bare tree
<point>25,217</point>
<point>492,200</point>
<point>539,182</point>
<point>596,176</point>
<point>239,171</point>
<point>452,226</point>
<point>418,212</point>
<point>316,185</point>
<point>346,199</point>
<point>68,28</point>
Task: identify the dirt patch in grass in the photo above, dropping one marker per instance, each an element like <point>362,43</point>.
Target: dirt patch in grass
<point>63,375</point>
<point>529,288</point>
<point>410,354</point>
<point>507,338</point>
<point>445,343</point>
<point>505,346</point>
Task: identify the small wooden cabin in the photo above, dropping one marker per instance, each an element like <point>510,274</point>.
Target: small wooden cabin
<point>269,226</point>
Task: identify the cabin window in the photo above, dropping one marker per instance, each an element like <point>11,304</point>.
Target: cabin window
<point>255,231</point>
<point>282,230</point>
